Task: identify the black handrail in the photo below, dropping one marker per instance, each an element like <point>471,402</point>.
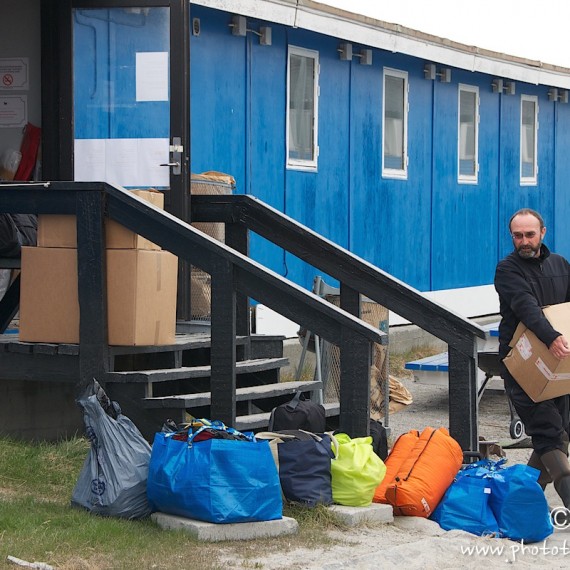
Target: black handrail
<point>362,277</point>
<point>231,272</point>
<point>340,264</point>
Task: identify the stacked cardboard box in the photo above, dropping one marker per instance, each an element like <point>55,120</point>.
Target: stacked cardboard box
<point>141,285</point>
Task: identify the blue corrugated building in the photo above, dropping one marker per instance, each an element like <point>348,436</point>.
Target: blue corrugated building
<point>408,149</point>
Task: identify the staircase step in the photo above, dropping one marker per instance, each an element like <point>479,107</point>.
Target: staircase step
<point>187,372</point>
<point>254,421</point>
<point>242,394</point>
<point>182,341</point>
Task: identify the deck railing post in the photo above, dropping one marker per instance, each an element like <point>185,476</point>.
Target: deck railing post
<point>463,398</point>
<point>355,362</point>
<point>223,350</point>
<point>92,289</point>
<point>237,237</point>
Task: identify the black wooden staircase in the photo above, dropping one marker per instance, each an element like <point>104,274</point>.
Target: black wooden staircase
<point>173,382</point>
<point>226,375</point>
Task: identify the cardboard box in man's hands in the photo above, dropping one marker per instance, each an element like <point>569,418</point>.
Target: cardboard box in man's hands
<point>541,375</point>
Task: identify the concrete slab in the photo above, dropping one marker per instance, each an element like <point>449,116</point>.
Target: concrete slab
<point>374,513</point>
<point>212,532</point>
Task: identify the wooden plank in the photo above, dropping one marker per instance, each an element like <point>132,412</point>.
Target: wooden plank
<point>187,372</point>
<point>47,368</point>
<point>68,349</point>
<point>9,304</point>
<point>237,237</point>
<point>242,395</point>
<point>355,364</point>
<point>183,341</point>
<point>21,347</point>
<point>44,348</point>
<point>223,351</point>
<point>463,399</point>
<point>92,289</point>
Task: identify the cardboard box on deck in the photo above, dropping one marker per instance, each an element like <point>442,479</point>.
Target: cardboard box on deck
<point>539,373</point>
<point>141,296</point>
<point>60,230</point>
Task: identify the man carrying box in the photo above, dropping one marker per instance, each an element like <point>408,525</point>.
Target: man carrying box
<point>527,279</point>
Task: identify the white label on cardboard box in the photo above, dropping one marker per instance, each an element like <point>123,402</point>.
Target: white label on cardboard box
<point>544,370</point>
<point>547,373</point>
<point>524,347</point>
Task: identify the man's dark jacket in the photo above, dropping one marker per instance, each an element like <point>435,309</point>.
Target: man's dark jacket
<point>526,285</point>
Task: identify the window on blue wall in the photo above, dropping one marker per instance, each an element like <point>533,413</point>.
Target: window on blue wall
<point>395,125</point>
<point>468,134</point>
<point>302,106</point>
<point>529,131</point>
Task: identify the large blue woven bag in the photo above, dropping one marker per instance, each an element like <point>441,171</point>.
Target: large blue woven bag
<point>214,480</point>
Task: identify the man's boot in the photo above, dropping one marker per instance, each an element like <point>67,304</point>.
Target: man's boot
<point>544,478</point>
<point>558,468</point>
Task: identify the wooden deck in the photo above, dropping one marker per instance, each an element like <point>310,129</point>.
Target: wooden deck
<point>38,383</point>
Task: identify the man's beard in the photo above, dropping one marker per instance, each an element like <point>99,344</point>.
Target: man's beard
<point>527,252</point>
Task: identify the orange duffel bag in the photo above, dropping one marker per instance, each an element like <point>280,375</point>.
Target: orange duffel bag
<point>425,474</point>
<point>399,453</point>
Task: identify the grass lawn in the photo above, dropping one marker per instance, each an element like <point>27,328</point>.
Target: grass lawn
<point>37,522</point>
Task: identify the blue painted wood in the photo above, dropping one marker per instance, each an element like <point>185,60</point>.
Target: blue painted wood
<point>387,216</point>
<point>439,362</point>
<point>218,97</point>
<point>435,363</point>
<point>558,234</point>
<point>429,230</point>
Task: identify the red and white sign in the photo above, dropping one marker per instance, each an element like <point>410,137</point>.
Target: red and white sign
<point>14,73</point>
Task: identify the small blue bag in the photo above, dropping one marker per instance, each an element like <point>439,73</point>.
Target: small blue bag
<point>465,506</point>
<point>513,499</point>
<point>519,504</point>
<point>214,480</point>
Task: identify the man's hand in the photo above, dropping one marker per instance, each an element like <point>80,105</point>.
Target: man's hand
<point>559,347</point>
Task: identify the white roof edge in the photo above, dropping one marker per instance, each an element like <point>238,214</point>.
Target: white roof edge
<point>368,32</point>
<point>277,11</point>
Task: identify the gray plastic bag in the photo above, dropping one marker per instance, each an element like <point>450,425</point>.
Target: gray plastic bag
<point>113,479</point>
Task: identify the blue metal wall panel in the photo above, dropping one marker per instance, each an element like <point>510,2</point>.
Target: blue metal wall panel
<point>513,195</point>
<point>264,143</point>
<point>464,218</point>
<point>218,97</point>
<point>390,217</point>
<point>320,199</point>
<point>428,230</point>
<point>558,234</point>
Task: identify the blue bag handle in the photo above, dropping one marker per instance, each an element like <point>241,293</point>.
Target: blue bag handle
<point>220,426</point>
<point>487,464</point>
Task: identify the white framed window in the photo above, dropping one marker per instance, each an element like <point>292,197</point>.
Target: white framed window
<point>302,108</point>
<point>395,124</point>
<point>529,140</point>
<point>468,134</point>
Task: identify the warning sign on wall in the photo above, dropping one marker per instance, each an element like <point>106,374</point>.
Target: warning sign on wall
<point>14,73</point>
<point>13,111</point>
